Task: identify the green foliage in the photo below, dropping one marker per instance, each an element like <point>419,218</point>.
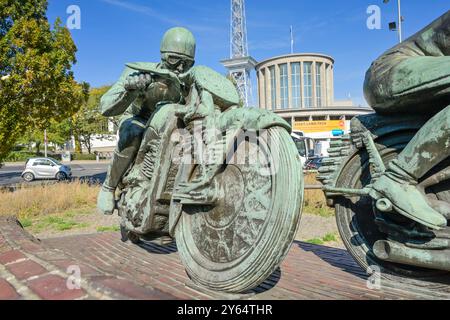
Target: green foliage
<point>26,222</point>
<point>15,156</point>
<point>37,85</point>
<point>58,132</point>
<point>329,237</point>
<point>315,241</point>
<point>83,156</point>
<point>88,121</point>
<point>106,229</point>
<point>57,223</point>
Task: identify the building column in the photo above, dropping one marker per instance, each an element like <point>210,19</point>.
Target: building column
<point>289,73</point>
<point>269,90</point>
<point>277,76</point>
<point>331,84</point>
<point>261,85</point>
<point>313,75</point>
<point>323,76</point>
<point>302,81</point>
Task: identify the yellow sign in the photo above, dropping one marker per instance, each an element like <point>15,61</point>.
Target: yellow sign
<point>319,126</point>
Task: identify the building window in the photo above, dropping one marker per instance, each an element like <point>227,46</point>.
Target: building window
<point>295,85</point>
<point>307,84</point>
<point>284,86</point>
<point>319,84</point>
<point>273,87</point>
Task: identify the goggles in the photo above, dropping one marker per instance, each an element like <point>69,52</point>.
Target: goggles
<point>175,60</point>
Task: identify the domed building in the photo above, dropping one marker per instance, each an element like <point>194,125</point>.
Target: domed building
<point>300,88</point>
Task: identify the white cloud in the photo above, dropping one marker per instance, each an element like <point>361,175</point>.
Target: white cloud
<point>148,11</point>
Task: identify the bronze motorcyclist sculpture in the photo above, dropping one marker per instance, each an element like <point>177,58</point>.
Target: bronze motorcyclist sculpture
<point>135,96</point>
<point>235,215</point>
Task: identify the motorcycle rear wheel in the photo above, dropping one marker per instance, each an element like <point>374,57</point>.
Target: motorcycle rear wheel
<point>355,217</point>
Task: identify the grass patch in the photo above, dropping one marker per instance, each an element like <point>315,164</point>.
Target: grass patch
<point>106,229</point>
<point>315,241</point>
<point>26,223</point>
<point>57,223</point>
<point>327,238</point>
<point>315,201</point>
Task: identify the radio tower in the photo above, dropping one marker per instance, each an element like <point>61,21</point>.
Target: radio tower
<point>240,63</point>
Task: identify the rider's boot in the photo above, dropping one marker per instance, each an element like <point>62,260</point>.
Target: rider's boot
<point>106,201</point>
<point>401,189</point>
<point>443,207</point>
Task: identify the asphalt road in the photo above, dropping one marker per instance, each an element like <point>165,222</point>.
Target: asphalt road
<point>10,174</point>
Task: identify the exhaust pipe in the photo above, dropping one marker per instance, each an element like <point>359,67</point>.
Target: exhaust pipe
<point>399,253</point>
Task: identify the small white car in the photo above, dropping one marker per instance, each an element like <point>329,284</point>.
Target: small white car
<point>45,168</point>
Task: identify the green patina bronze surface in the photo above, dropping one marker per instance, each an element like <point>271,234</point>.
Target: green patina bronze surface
<point>407,222</point>
<point>191,164</point>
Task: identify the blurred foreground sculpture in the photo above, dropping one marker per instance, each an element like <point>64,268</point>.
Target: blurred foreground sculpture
<point>389,180</point>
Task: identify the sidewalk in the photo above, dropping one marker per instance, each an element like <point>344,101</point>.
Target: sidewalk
<point>110,269</point>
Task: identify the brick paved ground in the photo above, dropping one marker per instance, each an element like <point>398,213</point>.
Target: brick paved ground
<point>110,269</point>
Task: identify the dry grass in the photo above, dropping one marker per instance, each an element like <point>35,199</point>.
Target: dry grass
<point>315,201</point>
<point>30,202</point>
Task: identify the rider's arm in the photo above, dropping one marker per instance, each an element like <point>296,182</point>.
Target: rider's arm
<point>117,99</point>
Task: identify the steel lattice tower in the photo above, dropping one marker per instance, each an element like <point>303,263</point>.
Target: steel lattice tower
<point>240,63</point>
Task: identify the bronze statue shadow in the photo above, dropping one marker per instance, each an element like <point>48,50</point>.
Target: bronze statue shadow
<point>155,248</point>
<point>267,284</point>
<point>338,258</point>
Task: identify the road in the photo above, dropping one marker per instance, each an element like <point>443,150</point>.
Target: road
<point>10,174</point>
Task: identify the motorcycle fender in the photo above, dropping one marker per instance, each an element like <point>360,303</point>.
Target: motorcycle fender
<point>251,119</point>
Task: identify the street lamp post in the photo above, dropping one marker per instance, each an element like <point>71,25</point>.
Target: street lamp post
<point>45,143</point>
<point>400,19</point>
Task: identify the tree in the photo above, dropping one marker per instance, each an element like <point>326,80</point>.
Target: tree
<point>88,121</point>
<point>58,132</point>
<point>37,83</point>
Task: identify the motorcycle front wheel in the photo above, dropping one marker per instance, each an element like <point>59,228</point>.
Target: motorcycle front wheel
<point>235,245</point>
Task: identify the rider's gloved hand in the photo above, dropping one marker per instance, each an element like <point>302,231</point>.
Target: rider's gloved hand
<point>137,81</point>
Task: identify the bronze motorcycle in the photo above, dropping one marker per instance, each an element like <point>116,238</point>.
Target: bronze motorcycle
<point>235,230</point>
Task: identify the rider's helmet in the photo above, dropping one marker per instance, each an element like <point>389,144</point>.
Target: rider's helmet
<point>178,45</point>
<point>180,41</point>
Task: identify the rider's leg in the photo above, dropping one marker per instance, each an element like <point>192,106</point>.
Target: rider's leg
<point>130,134</point>
<point>429,147</point>
<point>400,82</point>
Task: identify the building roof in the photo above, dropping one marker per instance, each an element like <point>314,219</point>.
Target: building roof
<point>296,55</point>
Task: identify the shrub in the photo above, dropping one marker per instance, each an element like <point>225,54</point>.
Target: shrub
<point>22,156</point>
<point>83,156</point>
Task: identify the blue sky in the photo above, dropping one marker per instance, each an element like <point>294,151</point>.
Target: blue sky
<point>114,32</point>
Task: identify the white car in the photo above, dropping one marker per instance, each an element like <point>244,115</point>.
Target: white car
<point>45,168</point>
